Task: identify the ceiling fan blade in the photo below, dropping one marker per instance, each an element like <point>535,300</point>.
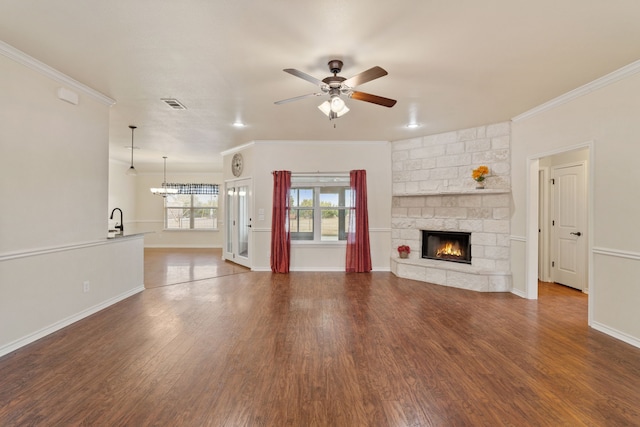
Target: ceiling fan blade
<point>375,99</point>
<point>365,76</point>
<point>284,101</point>
<point>304,76</point>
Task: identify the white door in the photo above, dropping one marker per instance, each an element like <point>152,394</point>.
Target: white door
<point>238,222</point>
<point>569,225</point>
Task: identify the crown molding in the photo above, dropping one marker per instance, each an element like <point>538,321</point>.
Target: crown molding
<point>238,148</point>
<point>606,80</point>
<point>47,71</point>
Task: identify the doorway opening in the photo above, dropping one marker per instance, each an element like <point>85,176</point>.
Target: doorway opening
<point>562,219</point>
<point>238,235</point>
<point>539,262</point>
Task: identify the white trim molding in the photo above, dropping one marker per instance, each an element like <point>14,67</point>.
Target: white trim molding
<point>616,334</point>
<point>63,248</point>
<point>237,149</point>
<point>619,74</point>
<point>42,68</point>
<point>617,253</point>
<point>519,293</point>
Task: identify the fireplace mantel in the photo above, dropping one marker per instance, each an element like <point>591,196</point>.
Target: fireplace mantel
<point>454,192</point>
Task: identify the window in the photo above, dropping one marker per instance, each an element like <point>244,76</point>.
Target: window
<point>191,210</point>
<point>320,208</point>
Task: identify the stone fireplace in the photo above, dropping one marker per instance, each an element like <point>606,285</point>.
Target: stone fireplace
<point>433,192</point>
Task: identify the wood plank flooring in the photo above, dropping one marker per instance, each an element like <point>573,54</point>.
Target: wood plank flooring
<point>164,267</point>
<point>324,349</point>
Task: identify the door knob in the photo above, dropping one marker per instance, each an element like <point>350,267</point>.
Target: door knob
<point>577,234</point>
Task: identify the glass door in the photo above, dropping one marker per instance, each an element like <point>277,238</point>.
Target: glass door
<point>238,222</point>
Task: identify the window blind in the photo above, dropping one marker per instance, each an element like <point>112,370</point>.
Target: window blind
<point>193,188</point>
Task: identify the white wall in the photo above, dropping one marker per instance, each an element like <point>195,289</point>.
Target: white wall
<point>607,118</point>
<point>53,187</point>
<point>47,145</point>
<point>122,194</point>
<point>263,157</point>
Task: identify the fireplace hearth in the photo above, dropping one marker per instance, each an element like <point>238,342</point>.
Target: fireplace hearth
<point>453,246</point>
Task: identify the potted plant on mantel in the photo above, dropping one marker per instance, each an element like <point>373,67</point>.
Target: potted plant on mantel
<point>479,175</point>
<point>404,251</point>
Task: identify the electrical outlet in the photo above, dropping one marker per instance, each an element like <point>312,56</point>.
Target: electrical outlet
<point>86,286</point>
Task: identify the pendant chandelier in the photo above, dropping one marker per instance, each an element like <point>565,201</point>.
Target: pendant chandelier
<point>164,190</point>
<point>132,171</point>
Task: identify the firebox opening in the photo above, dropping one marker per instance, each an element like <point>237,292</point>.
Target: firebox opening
<point>451,246</point>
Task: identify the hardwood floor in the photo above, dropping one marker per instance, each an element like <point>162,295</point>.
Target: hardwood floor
<point>164,267</point>
<point>324,349</point>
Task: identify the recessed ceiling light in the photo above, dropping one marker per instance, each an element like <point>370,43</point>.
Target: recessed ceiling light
<point>239,124</point>
<point>413,125</point>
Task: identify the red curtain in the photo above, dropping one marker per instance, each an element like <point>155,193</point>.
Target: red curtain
<point>280,235</point>
<point>358,249</point>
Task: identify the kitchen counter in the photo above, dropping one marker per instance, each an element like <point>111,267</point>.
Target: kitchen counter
<point>121,236</point>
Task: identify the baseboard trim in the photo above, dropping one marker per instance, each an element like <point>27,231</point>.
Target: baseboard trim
<point>21,342</point>
<point>616,334</point>
<point>519,293</point>
<point>326,269</point>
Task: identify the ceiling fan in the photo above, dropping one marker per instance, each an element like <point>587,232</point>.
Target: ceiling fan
<point>335,86</point>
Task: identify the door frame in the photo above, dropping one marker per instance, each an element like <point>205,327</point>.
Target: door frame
<point>236,259</point>
<point>532,226</point>
<point>544,273</point>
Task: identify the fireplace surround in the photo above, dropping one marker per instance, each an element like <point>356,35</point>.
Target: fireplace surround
<point>433,190</point>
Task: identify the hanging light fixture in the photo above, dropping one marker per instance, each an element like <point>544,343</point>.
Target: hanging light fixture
<point>132,171</point>
<point>163,191</point>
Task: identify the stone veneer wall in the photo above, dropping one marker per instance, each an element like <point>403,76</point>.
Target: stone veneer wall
<point>433,190</point>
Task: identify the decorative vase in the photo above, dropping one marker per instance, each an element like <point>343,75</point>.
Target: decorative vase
<point>479,185</point>
<point>404,254</point>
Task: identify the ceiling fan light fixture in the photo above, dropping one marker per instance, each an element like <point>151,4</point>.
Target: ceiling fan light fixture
<point>325,107</point>
<point>337,104</point>
<point>336,85</point>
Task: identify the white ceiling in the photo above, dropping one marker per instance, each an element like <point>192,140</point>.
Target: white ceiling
<point>452,64</point>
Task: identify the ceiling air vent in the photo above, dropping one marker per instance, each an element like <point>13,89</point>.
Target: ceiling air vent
<point>174,103</point>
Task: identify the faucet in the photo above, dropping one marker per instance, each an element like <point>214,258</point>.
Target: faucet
<point>121,226</point>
